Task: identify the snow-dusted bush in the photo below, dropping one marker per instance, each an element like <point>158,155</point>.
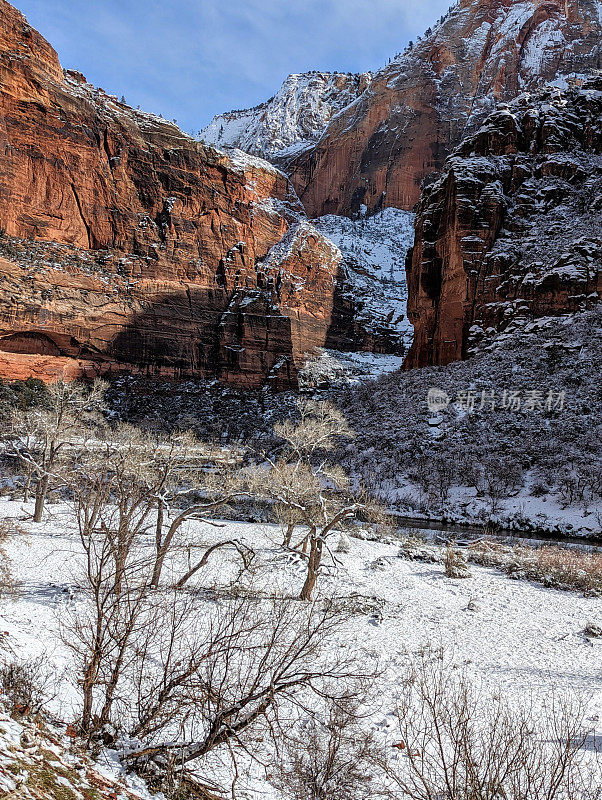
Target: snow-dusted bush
<point>593,630</point>
<point>455,563</point>
<point>328,758</point>
<point>26,687</point>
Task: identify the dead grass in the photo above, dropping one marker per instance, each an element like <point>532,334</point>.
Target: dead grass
<point>552,565</point>
<point>455,563</point>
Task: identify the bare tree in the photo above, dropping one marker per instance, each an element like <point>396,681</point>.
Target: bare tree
<point>309,492</point>
<point>182,466</point>
<point>184,675</point>
<point>315,502</point>
<point>101,628</point>
<point>442,472</point>
<point>132,483</point>
<point>41,438</point>
<point>458,743</point>
<point>258,656</point>
<point>499,477</point>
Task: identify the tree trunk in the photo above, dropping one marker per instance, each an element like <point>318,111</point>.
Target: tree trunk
<point>159,548</point>
<point>41,492</point>
<point>88,685</point>
<point>164,544</point>
<point>288,536</point>
<point>313,568</point>
<point>27,486</point>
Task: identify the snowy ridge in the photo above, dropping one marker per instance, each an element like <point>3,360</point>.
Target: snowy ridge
<point>375,150</point>
<point>292,120</point>
<point>537,40</point>
<point>296,237</point>
<point>536,45</point>
<point>374,251</point>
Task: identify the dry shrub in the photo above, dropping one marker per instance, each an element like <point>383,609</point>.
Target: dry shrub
<point>8,528</point>
<point>455,563</point>
<point>327,758</point>
<point>458,741</point>
<point>553,566</point>
<point>26,686</point>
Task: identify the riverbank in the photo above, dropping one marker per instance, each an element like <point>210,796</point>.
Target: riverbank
<point>470,530</point>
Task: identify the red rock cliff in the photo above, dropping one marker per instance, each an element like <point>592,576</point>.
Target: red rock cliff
<point>513,227</point>
<point>378,150</point>
<point>162,259</point>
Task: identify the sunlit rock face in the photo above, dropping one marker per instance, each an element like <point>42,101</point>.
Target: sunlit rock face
<point>128,246</point>
<point>378,150</point>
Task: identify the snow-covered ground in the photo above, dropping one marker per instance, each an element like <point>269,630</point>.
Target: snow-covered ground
<point>374,250</point>
<point>513,636</point>
<point>332,368</point>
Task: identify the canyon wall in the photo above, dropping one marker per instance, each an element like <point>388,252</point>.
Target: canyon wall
<point>378,150</point>
<point>513,226</point>
<point>128,246</point>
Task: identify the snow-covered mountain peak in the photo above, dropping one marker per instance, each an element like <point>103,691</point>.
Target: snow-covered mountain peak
<point>291,121</point>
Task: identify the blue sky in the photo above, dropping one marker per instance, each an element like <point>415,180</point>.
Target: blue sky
<point>191,59</point>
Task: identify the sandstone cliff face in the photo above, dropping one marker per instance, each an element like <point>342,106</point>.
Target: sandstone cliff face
<point>164,259</point>
<point>513,227</point>
<point>378,150</point>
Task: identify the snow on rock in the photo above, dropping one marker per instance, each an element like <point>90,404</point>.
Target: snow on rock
<point>374,251</point>
<point>38,761</point>
<point>331,368</point>
<point>512,223</point>
<point>246,162</point>
<point>378,150</point>
<point>292,120</point>
<point>299,235</point>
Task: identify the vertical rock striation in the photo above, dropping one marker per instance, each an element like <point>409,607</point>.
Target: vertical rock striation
<point>513,226</point>
<point>378,150</point>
